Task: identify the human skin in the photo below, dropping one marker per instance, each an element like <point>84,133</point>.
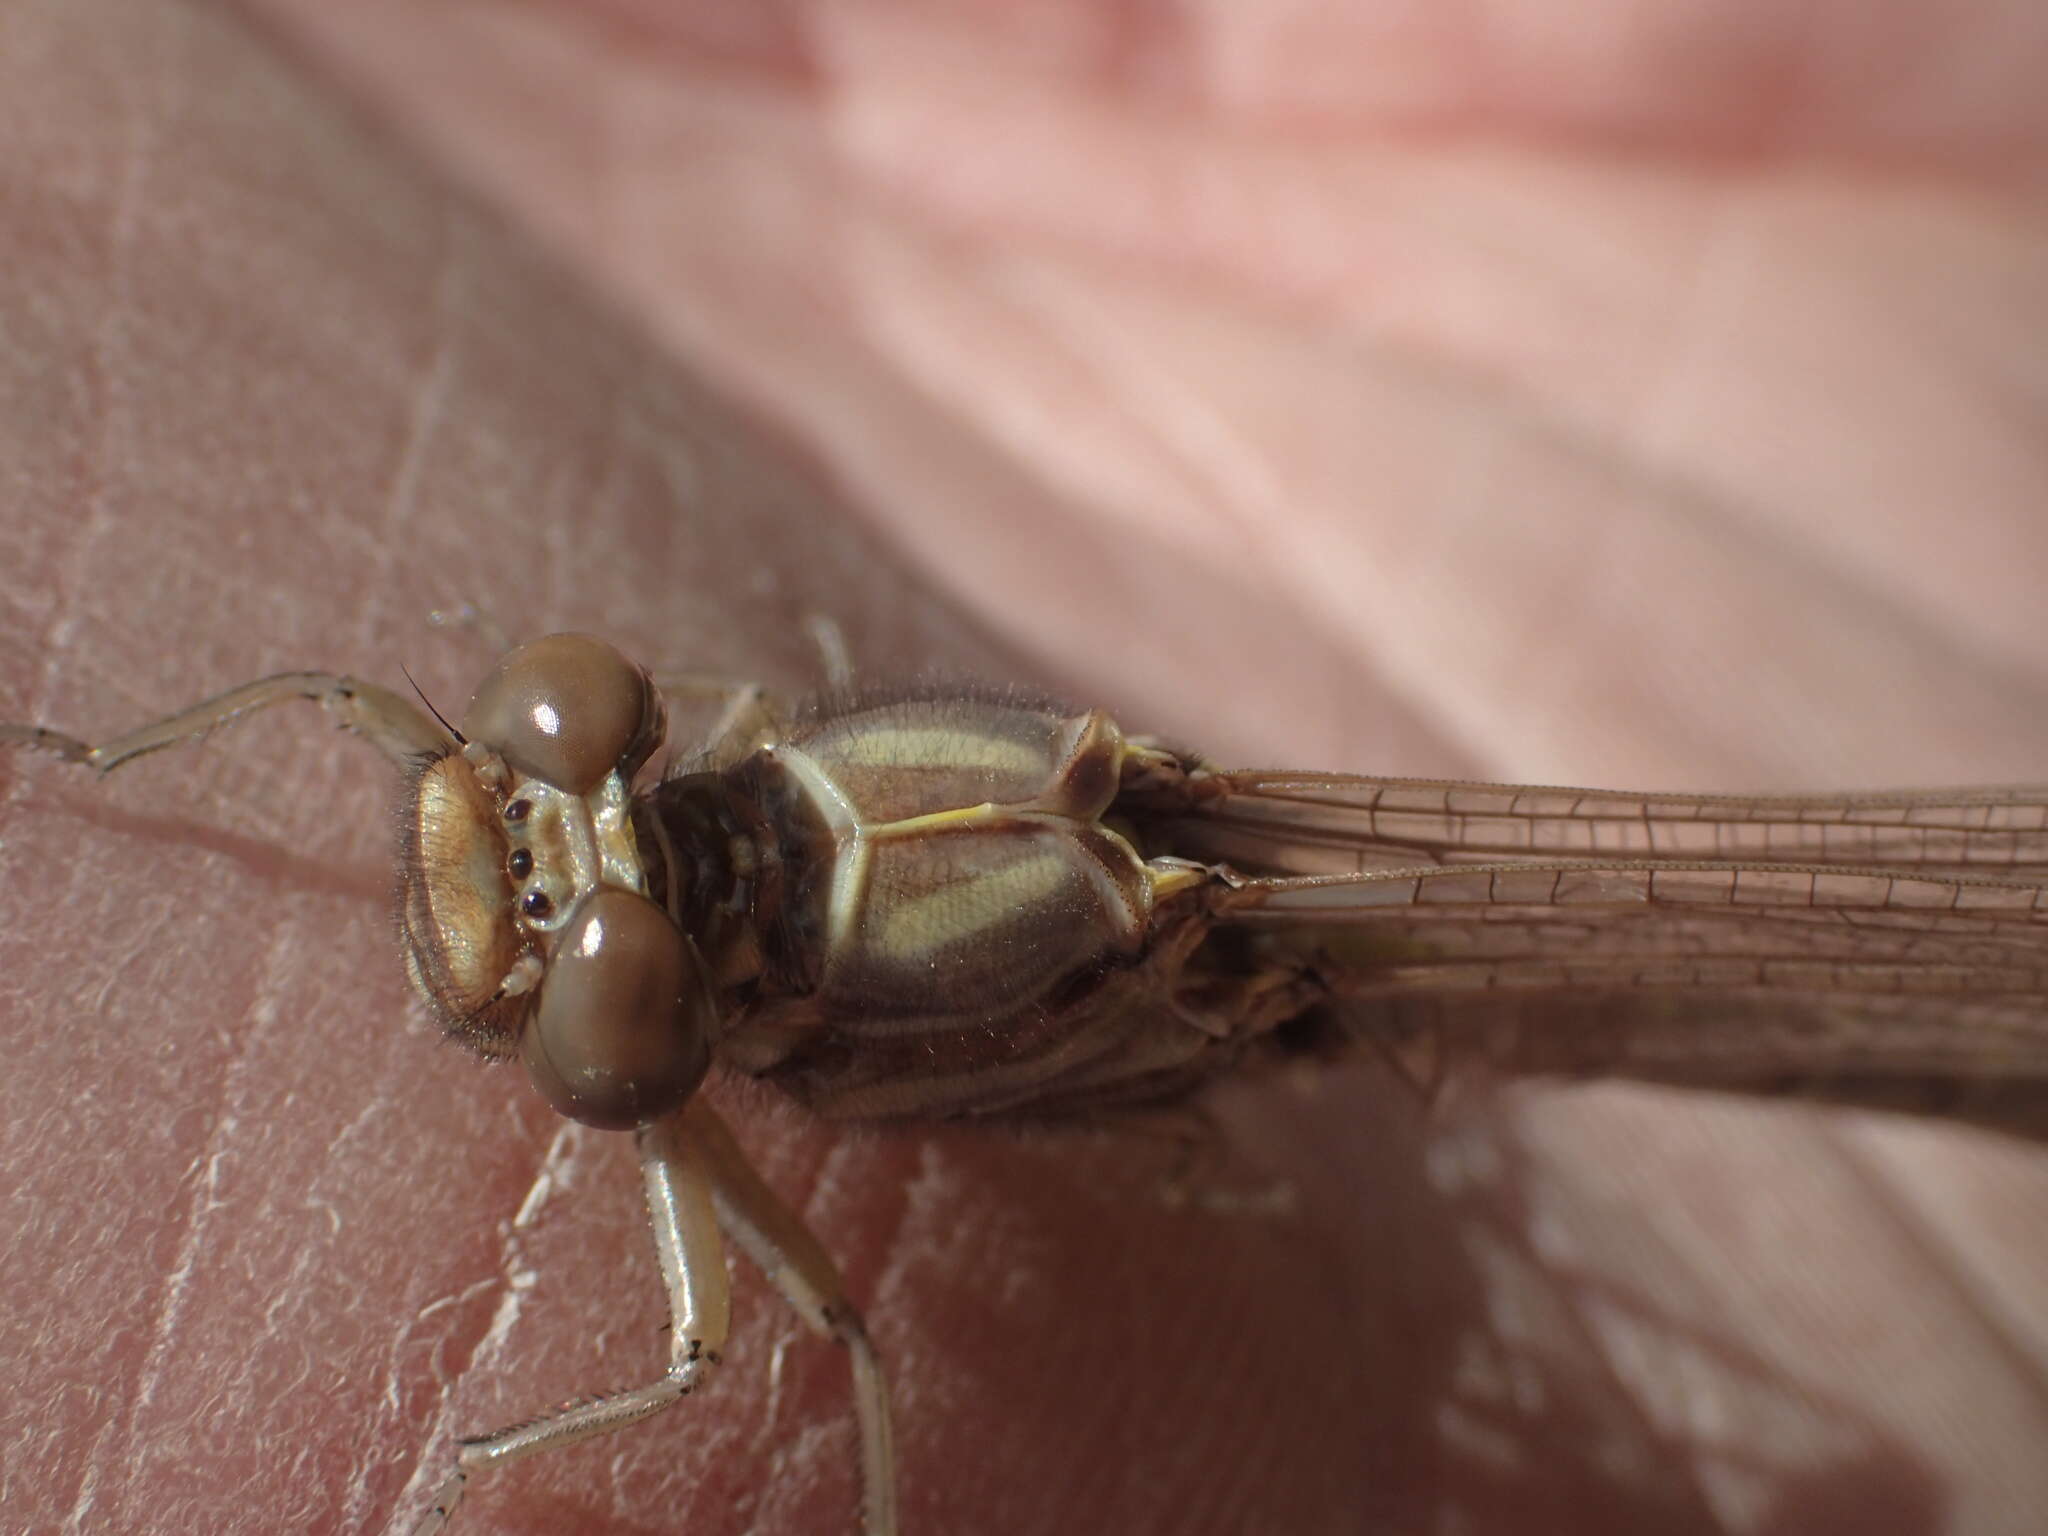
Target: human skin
<point>1515,426</point>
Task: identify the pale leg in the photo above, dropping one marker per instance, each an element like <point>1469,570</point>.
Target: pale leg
<point>775,1238</point>
<point>383,718</point>
<point>480,622</point>
<point>749,715</point>
<point>677,1180</point>
<point>834,655</point>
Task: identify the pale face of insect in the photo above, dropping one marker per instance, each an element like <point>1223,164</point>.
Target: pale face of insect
<point>522,899</point>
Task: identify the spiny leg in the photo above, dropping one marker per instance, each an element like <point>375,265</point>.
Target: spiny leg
<point>386,720</point>
<point>796,1264</point>
<point>677,1179</point>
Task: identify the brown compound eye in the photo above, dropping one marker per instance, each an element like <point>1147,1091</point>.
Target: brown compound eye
<point>621,1033</point>
<point>567,709</point>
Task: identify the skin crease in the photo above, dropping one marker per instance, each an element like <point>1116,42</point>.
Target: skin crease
<point>1500,419</point>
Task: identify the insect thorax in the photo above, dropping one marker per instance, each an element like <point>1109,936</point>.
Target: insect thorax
<point>934,890</point>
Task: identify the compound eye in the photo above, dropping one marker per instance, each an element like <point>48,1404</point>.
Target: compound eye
<point>567,709</point>
<point>621,1033</point>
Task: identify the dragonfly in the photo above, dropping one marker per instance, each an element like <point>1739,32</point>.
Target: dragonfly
<point>948,900</point>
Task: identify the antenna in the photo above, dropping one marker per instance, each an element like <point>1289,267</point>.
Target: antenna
<point>460,739</point>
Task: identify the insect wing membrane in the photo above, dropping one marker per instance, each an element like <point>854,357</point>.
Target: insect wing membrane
<point>1315,823</point>
<point>1887,949</point>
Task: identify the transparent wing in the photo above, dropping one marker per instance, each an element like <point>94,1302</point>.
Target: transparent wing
<point>1888,949</point>
<point>1316,823</point>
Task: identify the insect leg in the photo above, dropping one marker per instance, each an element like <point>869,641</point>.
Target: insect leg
<point>677,1181</point>
<point>481,621</point>
<point>834,655</point>
<point>383,718</point>
<point>1201,1171</point>
<point>749,716</point>
<point>796,1264</point>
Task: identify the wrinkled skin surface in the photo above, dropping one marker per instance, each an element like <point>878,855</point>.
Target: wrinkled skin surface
<point>1651,400</point>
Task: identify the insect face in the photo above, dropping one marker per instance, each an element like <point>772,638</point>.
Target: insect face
<point>523,902</point>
